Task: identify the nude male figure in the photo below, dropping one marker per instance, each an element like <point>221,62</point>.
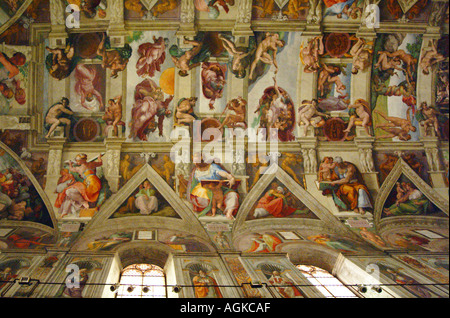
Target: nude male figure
<point>114,113</point>
<point>306,112</point>
<point>309,55</point>
<point>236,105</point>
<point>361,56</point>
<point>406,58</point>
<point>361,110</point>
<point>53,114</point>
<point>385,63</point>
<point>328,74</point>
<point>111,59</point>
<point>431,117</point>
<point>396,126</point>
<point>430,57</point>
<point>184,111</point>
<point>183,62</point>
<point>270,43</point>
<point>237,65</point>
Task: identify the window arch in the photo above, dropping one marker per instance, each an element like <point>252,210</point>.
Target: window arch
<point>142,281</point>
<point>326,283</point>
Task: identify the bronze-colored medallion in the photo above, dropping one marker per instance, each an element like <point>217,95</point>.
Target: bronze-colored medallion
<point>86,129</point>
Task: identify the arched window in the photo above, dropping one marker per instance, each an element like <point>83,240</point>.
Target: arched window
<point>142,281</point>
<point>326,283</point>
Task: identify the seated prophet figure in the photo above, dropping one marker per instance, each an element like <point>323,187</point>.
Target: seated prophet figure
<point>201,194</point>
<point>348,189</point>
<point>81,194</point>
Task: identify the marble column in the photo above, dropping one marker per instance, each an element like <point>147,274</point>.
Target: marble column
<point>56,146</point>
<point>111,167</point>
<point>116,30</point>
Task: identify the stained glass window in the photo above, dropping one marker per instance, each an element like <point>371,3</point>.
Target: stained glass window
<point>142,281</point>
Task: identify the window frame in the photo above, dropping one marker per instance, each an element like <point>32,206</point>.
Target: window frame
<point>314,276</point>
<point>140,267</point>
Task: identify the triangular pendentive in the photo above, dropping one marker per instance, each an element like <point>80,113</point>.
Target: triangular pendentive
<point>405,199</point>
<point>429,202</point>
<point>145,200</point>
<point>22,198</point>
<point>172,209</point>
<point>277,201</point>
<point>315,208</point>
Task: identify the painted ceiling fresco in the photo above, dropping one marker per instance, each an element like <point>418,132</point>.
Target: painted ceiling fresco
<point>93,120</point>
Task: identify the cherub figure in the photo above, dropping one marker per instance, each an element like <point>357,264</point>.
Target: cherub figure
<point>326,168</point>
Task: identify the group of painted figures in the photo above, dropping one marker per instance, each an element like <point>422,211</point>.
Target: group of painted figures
<point>276,108</point>
<point>211,187</point>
